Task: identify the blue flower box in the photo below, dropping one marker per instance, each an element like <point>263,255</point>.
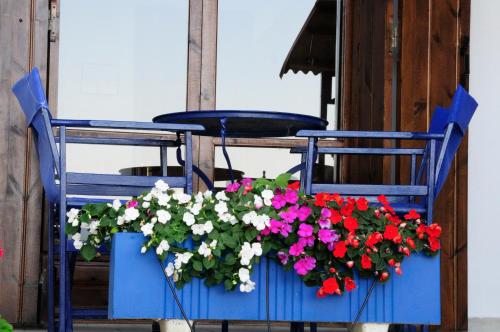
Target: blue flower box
<point>138,289</point>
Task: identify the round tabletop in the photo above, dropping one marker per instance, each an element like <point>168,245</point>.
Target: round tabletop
<point>249,124</point>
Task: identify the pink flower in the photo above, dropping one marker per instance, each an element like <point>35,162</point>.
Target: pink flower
<point>246,181</point>
<point>283,257</point>
<point>306,241</point>
<point>327,236</point>
<point>303,213</point>
<point>280,227</point>
<point>289,215</point>
<point>304,265</point>
<point>305,230</point>
<point>326,213</point>
<point>232,187</point>
<point>324,223</point>
<point>132,204</point>
<point>291,196</point>
<point>296,249</point>
<point>266,231</point>
<point>278,201</point>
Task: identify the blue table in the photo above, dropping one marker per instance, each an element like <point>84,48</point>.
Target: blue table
<point>248,124</point>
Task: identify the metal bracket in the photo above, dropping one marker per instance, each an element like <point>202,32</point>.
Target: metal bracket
<point>53,21</point>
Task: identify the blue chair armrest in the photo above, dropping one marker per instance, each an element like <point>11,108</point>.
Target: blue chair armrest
<point>369,134</point>
<point>362,151</point>
<point>125,125</point>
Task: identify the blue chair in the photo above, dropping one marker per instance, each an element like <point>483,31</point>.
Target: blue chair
<point>65,189</point>
<point>447,128</point>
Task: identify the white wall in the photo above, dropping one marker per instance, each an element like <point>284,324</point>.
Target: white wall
<point>484,162</point>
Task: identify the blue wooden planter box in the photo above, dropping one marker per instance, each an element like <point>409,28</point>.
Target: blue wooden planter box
<point>138,289</point>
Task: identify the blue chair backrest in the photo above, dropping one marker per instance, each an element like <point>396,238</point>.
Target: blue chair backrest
<point>453,122</point>
<point>31,97</point>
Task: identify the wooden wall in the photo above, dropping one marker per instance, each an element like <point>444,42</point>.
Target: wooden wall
<point>432,64</point>
<point>23,44</point>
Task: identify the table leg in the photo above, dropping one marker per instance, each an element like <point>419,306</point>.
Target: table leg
<point>224,151</point>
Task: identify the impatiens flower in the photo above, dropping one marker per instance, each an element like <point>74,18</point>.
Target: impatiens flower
<point>161,185</point>
<point>294,185</point>
<point>410,243</point>
<point>290,214</point>
<point>283,257</point>
<point>77,241</point>
<point>169,270</point>
<point>296,249</point>
<point>304,212</point>
<point>246,181</point>
<point>349,284</point>
<point>73,216</point>
<point>258,202</point>
<point>340,250</point>
<point>196,208</point>
<point>366,262</point>
<point>207,194</point>
<point>373,239</point>
<point>243,274</point>
<point>434,244</point>
<point>116,204</point>
<point>433,230</point>
<point>232,187</point>
<point>347,210</point>
<point>247,287</point>
<point>412,214</point>
<point>330,286</point>
<point>163,216</point>
<point>280,227</point>
<point>291,196</point>
<point>321,199</point>
<point>335,216</point>
<point>390,232</point>
<point>208,227</point>
<point>221,196</point>
<point>278,201</point>
<point>163,199</point>
<point>162,247</point>
<point>305,230</point>
<point>351,224</point>
<point>327,235</point>
<point>307,241</point>
<point>182,198</point>
<point>267,195</point>
<point>145,205</point>
<point>147,229</point>
<point>248,251</point>
<point>257,249</point>
<point>324,223</point>
<point>362,204</point>
<point>382,199</point>
<point>181,259</point>
<point>213,244</point>
<point>132,204</point>
<point>304,265</point>
<point>204,250</point>
<point>221,208</point>
<point>198,229</point>
<point>131,214</point>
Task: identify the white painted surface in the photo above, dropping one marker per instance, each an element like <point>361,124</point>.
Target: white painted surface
<point>484,162</point>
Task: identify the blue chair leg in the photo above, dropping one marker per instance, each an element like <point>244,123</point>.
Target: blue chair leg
<point>425,328</point>
<point>70,268</point>
<point>50,270</point>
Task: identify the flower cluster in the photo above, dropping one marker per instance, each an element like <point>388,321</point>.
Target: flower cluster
<point>220,237</point>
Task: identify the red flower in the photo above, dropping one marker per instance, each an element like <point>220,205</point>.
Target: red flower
<point>389,209</point>
<point>321,293</point>
<point>391,262</point>
<point>373,239</point>
<point>340,250</point>
<point>347,210</point>
<point>294,185</point>
<point>339,200</point>
<point>384,276</point>
<point>394,219</point>
<point>382,199</point>
<point>421,231</point>
<point>335,216</point>
<point>366,262</point>
<point>349,284</point>
<point>351,224</point>
<point>412,215</point>
<point>362,204</point>
<point>434,244</point>
<point>321,199</point>
<point>433,230</point>
<point>330,286</point>
<point>410,242</point>
<point>391,232</point>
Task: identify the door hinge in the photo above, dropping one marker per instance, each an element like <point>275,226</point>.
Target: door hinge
<point>53,21</point>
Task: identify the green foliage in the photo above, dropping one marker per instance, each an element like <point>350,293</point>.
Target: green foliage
<point>5,326</point>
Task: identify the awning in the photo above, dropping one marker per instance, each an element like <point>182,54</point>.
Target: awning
<point>314,47</point>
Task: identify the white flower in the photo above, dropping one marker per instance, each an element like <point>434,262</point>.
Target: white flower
<point>161,185</point>
<point>213,244</point>
<point>182,259</point>
<point>94,224</point>
<point>74,222</point>
<point>244,274</point>
<point>145,205</point>
<point>148,197</point>
<point>147,229</point>
<point>249,217</point>
<point>72,214</point>
<point>163,246</point>
<point>208,227</point>
<point>261,221</point>
<point>257,201</point>
<point>198,198</point>
<point>188,218</point>
<point>195,209</point>
<point>221,196</point>
<point>221,208</point>
<point>247,287</point>
<point>204,250</point>
<point>198,229</point>
<point>267,194</point>
<point>131,214</point>
<point>228,217</point>
<point>246,254</point>
<point>143,249</point>
<point>120,220</point>
<point>163,199</point>
<point>207,194</point>
<point>77,243</point>
<point>116,204</point>
<point>169,270</point>
<point>163,216</point>
<point>257,249</point>
<point>182,198</point>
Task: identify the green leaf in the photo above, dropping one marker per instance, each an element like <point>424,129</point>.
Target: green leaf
<point>282,180</point>
<point>228,240</point>
<point>208,263</point>
<point>228,285</point>
<point>197,266</point>
<point>230,259</point>
<point>88,252</point>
